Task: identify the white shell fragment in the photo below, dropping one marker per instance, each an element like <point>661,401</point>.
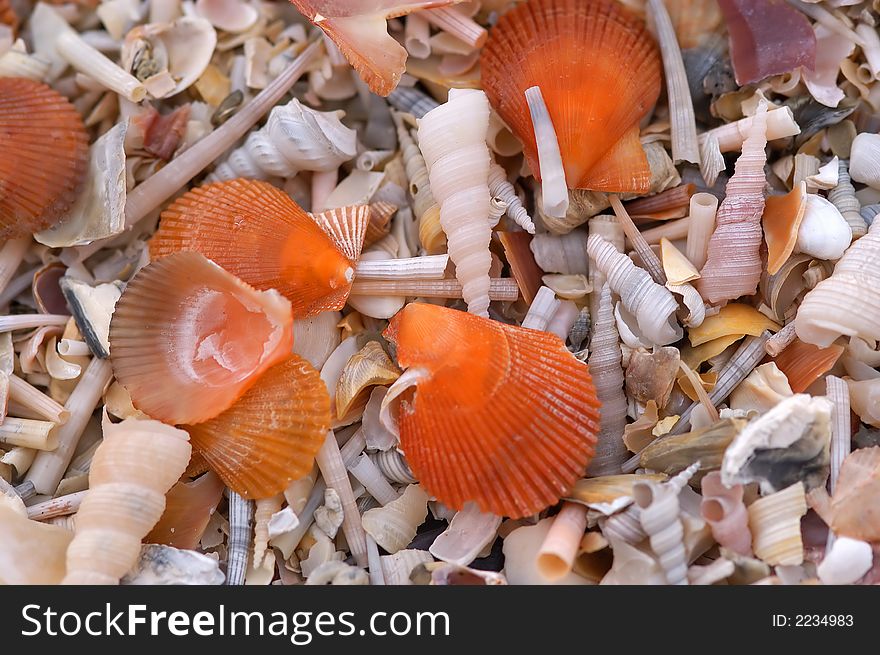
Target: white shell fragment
<point>823,233</point>
<point>164,565</point>
<point>791,442</point>
<point>92,308</point>
<point>99,211</point>
<point>846,562</point>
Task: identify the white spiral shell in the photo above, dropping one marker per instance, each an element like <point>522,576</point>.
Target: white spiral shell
<point>453,140</point>
<point>295,138</point>
<point>653,306</point>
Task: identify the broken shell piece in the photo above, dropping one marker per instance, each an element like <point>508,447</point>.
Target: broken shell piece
<point>650,376</point>
<point>99,210</point>
<point>565,254</point>
<point>775,524</point>
<point>368,368</point>
<point>788,444</point>
<point>30,552</point>
<point>469,532</point>
<point>394,525</point>
<point>673,454</point>
<point>188,508</point>
<point>735,318</point>
<point>846,562</point>
<point>633,564</point>
<point>864,165</point>
<point>444,573</point>
<point>399,566</point>
<point>724,511</point>
<point>361,33</point>
<point>521,557</point>
<point>827,177</point>
<point>803,363</point>
<point>823,232</point>
<point>762,390</point>
<point>337,573</point>
<point>610,493</point>
<point>164,565</point>
<point>92,309</point>
<point>169,57</point>
<point>853,510</point>
<point>227,15</point>
<point>676,266</point>
<point>315,338</point>
<point>781,222</point>
<point>865,399</point>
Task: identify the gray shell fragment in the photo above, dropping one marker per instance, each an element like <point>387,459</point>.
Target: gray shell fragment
<point>92,308</point>
<point>164,565</point>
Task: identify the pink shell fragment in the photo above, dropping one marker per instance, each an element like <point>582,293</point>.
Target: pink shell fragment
<point>767,37</point>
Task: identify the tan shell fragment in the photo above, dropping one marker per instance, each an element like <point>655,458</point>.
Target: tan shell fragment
<point>775,523</point>
<point>367,368</point>
<point>394,525</point>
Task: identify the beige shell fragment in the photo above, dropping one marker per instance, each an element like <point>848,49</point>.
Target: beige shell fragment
<point>775,523</point>
<point>677,267</point>
<point>394,525</point>
<point>762,390</point>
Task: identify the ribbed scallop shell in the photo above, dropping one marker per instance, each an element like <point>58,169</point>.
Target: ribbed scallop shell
<point>599,74</point>
<point>45,152</point>
<point>733,265</point>
<point>358,28</point>
<point>132,470</point>
<point>453,140</point>
<point>256,232</point>
<point>187,339</point>
<point>503,416</point>
<point>847,303</point>
<point>270,436</point>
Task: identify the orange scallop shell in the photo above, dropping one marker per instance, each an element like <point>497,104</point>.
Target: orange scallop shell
<point>272,434</point>
<point>256,232</point>
<point>781,221</point>
<point>44,153</point>
<point>803,363</point>
<point>599,74</point>
<point>188,508</point>
<point>187,339</point>
<point>503,416</point>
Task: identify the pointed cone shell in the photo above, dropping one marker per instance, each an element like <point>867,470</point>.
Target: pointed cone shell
<point>272,434</point>
<point>257,233</point>
<point>187,339</point>
<point>782,218</point>
<point>45,152</point>
<point>502,416</point>
<point>599,74</point>
<point>803,363</point>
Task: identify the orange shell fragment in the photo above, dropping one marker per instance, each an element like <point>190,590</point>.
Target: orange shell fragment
<point>187,339</point>
<point>359,29</point>
<point>257,233</point>
<point>803,363</point>
<point>503,416</point>
<point>272,434</point>
<point>599,73</point>
<point>188,508</point>
<point>44,153</point>
<point>781,221</point>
